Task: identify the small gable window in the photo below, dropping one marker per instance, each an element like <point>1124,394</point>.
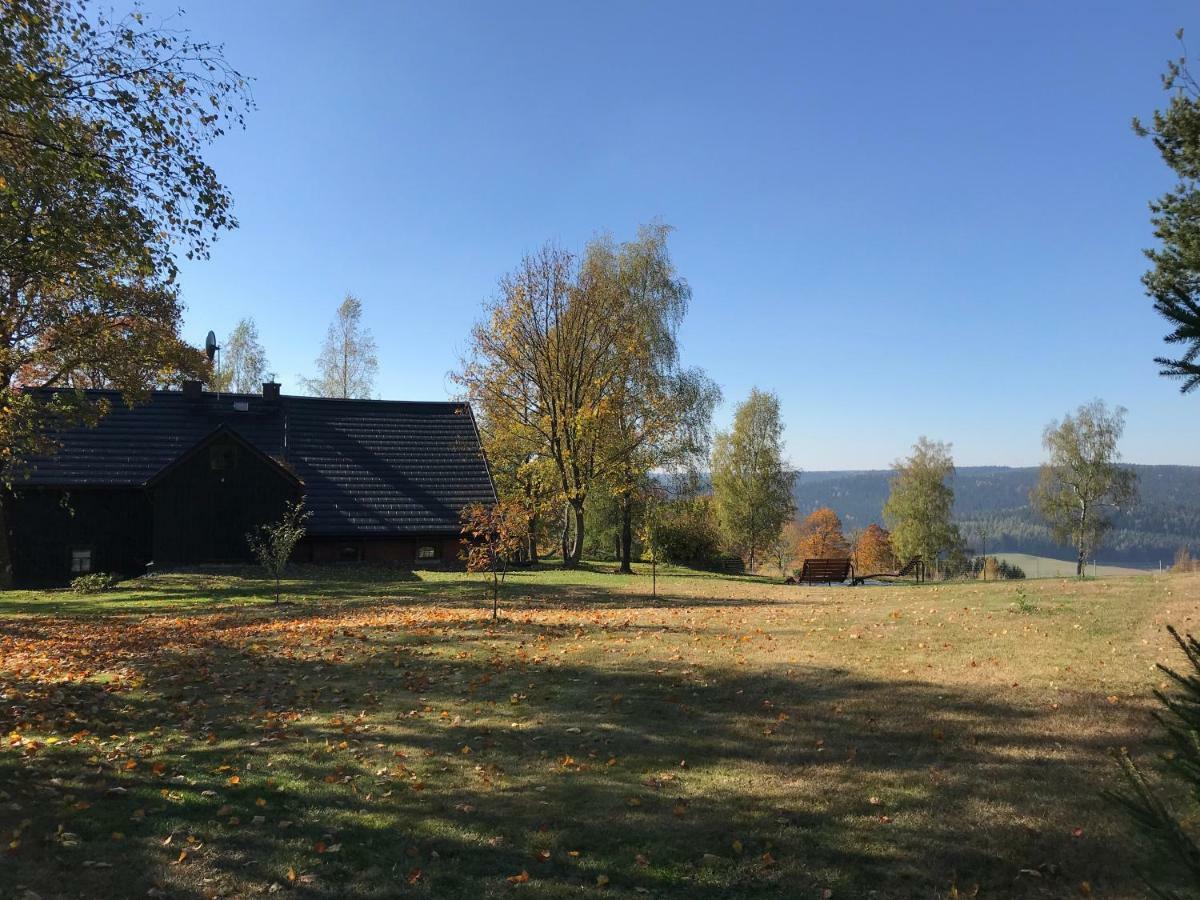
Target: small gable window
<point>221,457</point>
<point>427,553</point>
<point>81,560</point>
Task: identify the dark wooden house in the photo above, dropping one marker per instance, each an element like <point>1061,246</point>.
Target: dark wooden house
<point>180,480</point>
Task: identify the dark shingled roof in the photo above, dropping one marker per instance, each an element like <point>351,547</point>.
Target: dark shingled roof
<point>369,467</point>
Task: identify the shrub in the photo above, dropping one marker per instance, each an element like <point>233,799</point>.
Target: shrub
<point>989,568</point>
<point>873,551</point>
<point>687,532</point>
<point>94,583</point>
<point>1023,603</point>
<point>1183,561</point>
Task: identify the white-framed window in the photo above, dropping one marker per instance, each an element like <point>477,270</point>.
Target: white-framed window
<point>81,560</point>
<point>427,553</point>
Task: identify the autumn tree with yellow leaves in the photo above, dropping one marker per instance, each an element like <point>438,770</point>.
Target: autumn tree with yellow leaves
<point>574,372</point>
<point>873,551</point>
<point>104,123</point>
<point>820,536</point>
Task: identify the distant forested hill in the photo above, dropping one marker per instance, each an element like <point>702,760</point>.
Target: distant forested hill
<point>1166,518</point>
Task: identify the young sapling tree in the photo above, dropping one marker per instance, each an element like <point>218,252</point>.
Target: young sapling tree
<point>272,544</point>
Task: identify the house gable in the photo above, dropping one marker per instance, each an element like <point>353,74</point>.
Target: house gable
<point>205,503</point>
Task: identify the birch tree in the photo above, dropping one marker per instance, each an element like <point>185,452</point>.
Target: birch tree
<point>347,365</point>
<point>751,487</point>
<point>1082,484</point>
<point>920,504</point>
<point>243,361</point>
<point>661,413</point>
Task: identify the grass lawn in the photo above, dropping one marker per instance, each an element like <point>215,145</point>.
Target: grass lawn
<point>382,737</point>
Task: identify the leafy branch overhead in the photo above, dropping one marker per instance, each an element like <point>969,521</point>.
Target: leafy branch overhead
<point>126,106</point>
<point>104,122</point>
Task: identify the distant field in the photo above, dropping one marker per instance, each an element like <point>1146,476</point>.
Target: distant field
<point>1046,567</point>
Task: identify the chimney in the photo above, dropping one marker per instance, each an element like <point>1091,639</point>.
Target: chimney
<point>270,390</point>
<point>191,389</point>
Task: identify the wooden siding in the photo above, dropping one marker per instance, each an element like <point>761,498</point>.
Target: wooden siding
<point>204,507</point>
<point>45,525</point>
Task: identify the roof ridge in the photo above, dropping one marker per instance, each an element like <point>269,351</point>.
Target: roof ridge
<point>169,392</point>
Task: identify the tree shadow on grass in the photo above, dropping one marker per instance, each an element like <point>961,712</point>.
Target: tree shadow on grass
<point>383,765</point>
<point>318,588</point>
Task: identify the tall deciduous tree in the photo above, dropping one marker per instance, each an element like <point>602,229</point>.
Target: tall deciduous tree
<point>751,486</point>
<point>1082,484</point>
<point>347,365</point>
<point>243,361</point>
<point>574,370</point>
<point>660,413</point>
<point>103,125</point>
<point>1174,281</point>
<point>540,368</point>
<point>820,536</point>
<point>921,501</point>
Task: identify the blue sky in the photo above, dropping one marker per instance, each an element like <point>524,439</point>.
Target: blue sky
<point>905,218</point>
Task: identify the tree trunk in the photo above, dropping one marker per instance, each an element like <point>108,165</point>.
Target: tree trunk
<point>6,573</point>
<point>1080,545</point>
<point>566,535</point>
<point>531,550</point>
<point>626,542</point>
<point>571,560</point>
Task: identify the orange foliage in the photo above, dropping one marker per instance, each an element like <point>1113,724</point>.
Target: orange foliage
<point>493,534</point>
<point>873,551</point>
<point>821,537</point>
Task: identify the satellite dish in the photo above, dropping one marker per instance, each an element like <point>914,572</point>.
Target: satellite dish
<point>210,346</point>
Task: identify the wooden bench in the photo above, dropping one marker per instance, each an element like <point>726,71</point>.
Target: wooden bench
<point>915,568</point>
<point>826,571</point>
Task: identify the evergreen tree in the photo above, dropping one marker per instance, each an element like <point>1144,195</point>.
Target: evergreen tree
<point>1174,281</point>
<point>1180,719</point>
